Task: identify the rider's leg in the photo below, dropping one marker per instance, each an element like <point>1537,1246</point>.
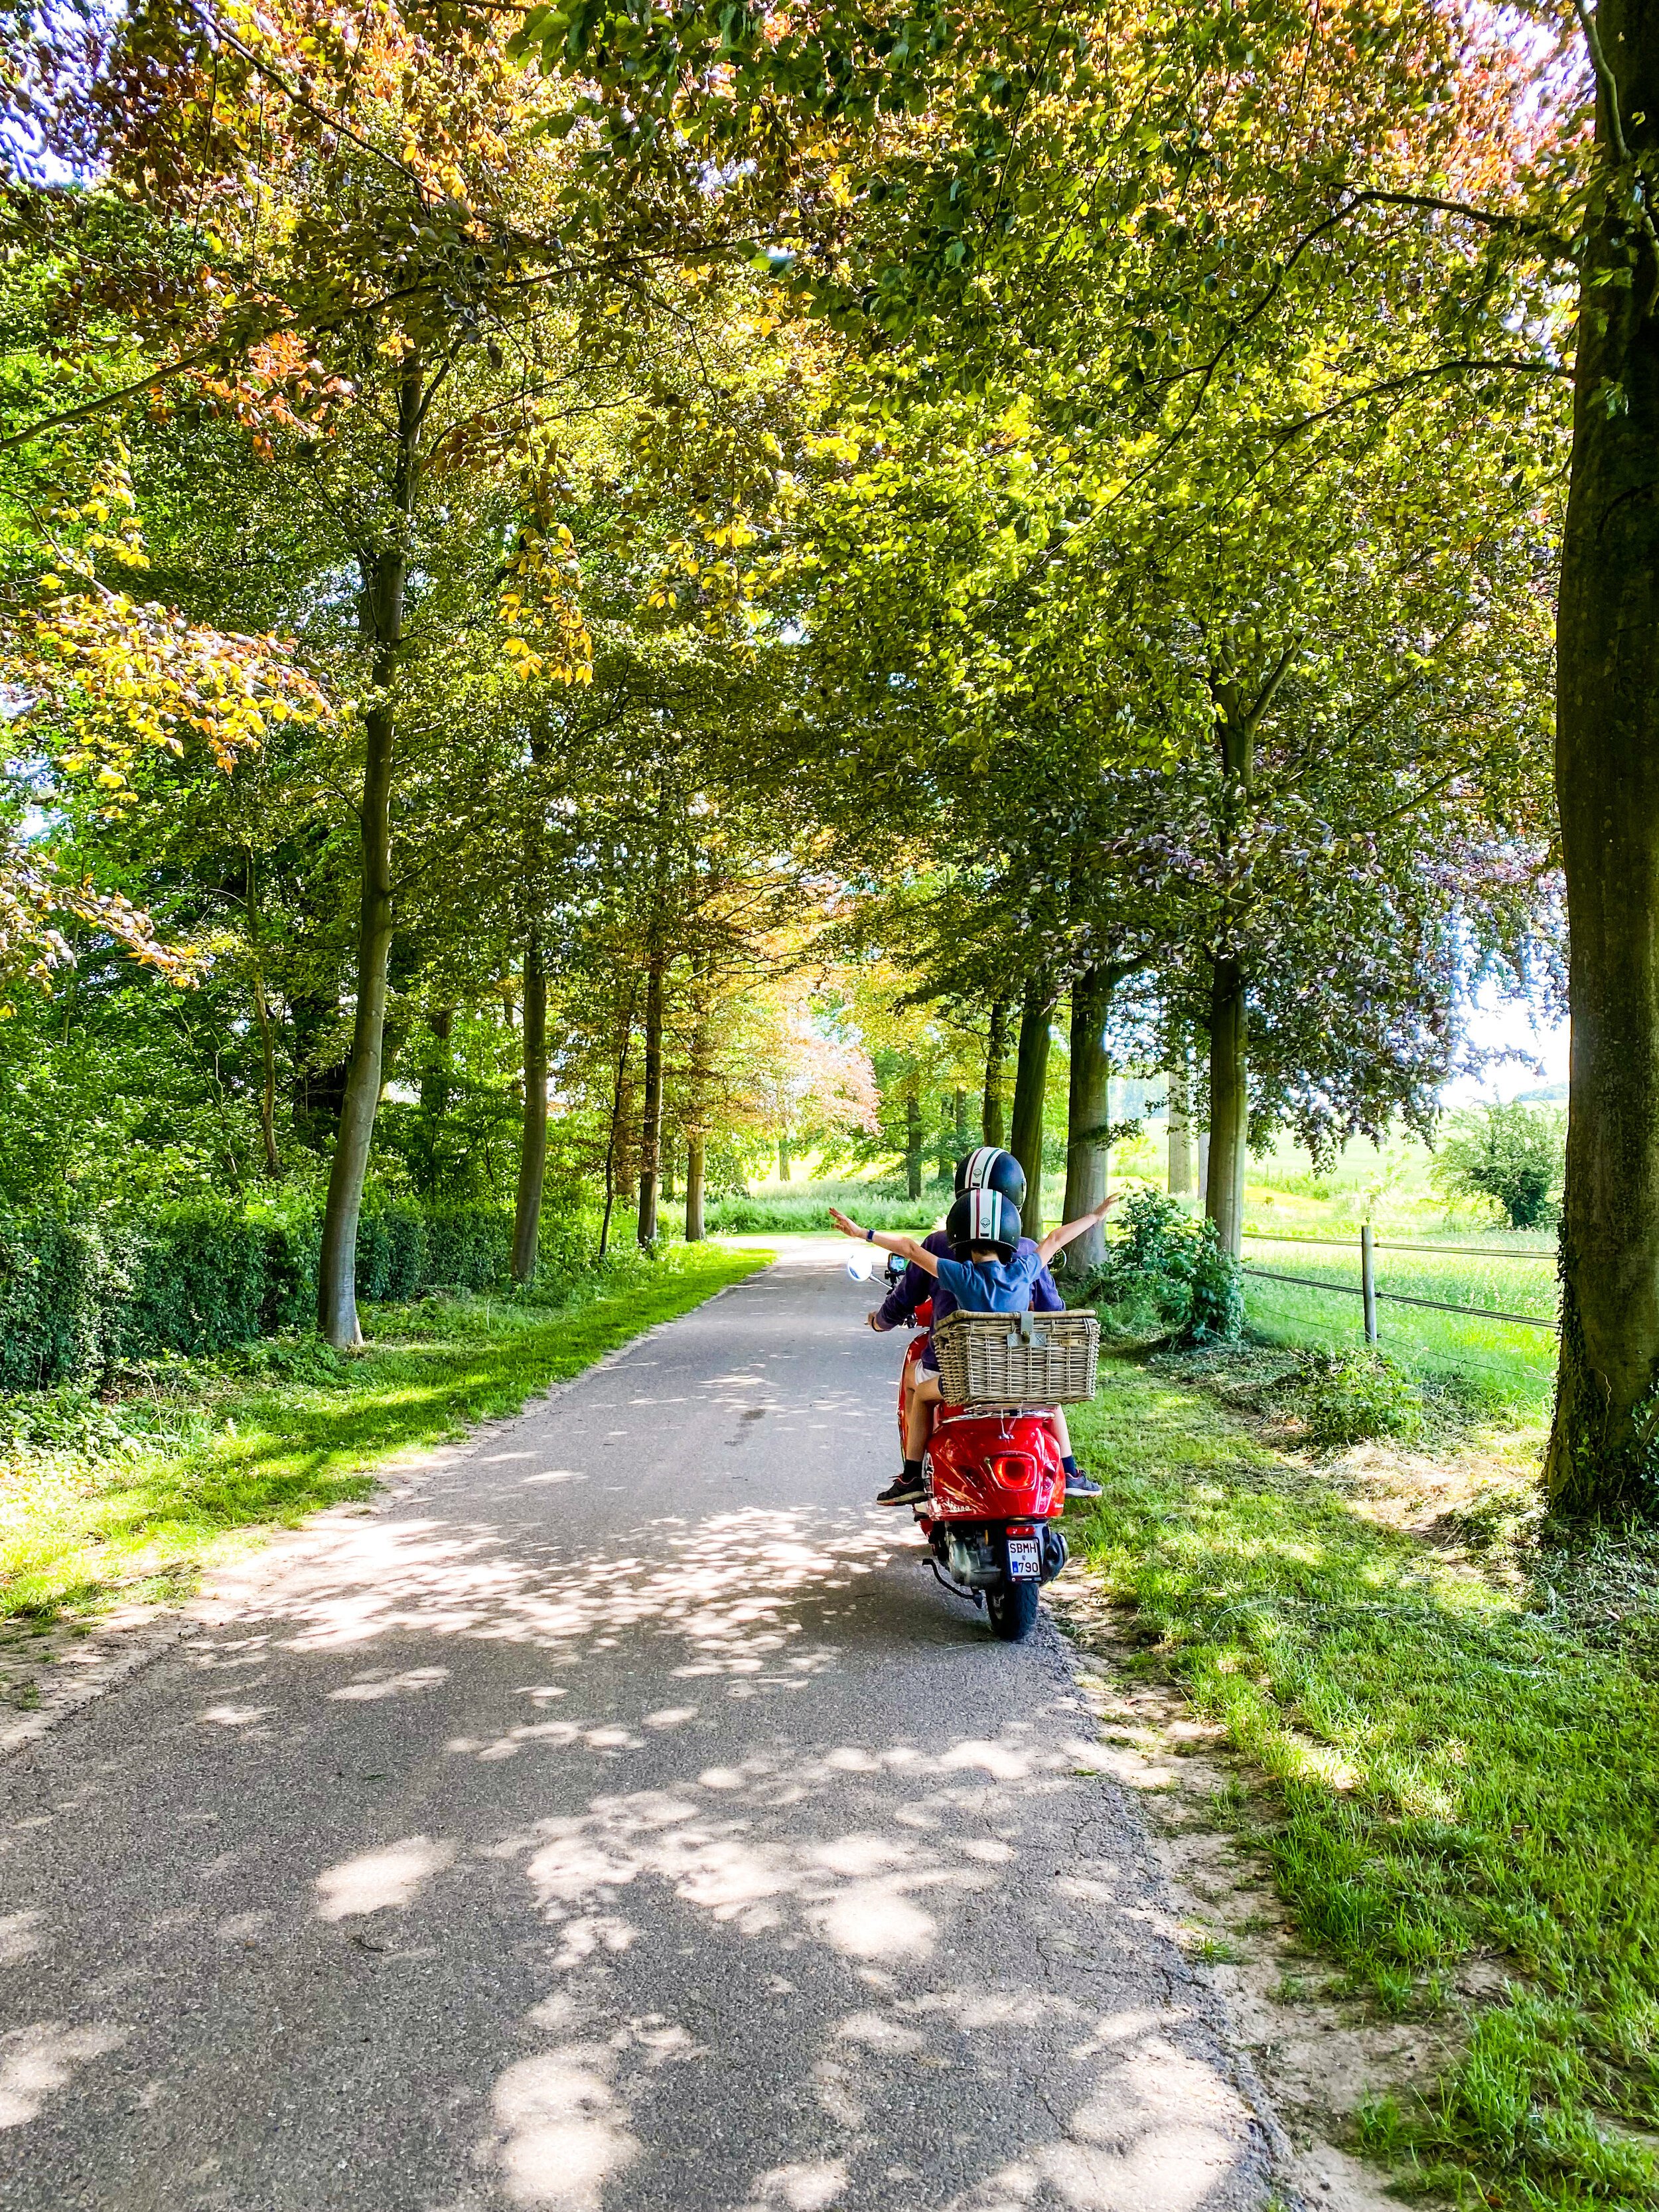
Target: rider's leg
<point>1078,1485</point>
<point>919,1415</point>
<point>908,1488</point>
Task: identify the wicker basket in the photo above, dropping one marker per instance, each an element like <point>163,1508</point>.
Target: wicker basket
<point>1017,1360</point>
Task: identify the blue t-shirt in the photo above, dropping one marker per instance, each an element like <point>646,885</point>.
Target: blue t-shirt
<point>993,1286</point>
<point>913,1286</point>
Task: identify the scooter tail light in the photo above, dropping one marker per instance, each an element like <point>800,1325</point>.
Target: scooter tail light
<point>1021,1530</point>
<point>1014,1470</point>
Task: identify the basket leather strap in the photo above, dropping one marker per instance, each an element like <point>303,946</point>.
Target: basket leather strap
<point>1024,1331</point>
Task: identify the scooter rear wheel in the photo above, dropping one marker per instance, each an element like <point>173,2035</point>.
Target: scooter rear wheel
<point>1013,1610</point>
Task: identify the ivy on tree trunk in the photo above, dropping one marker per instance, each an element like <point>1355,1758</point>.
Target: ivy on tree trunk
<point>1603,1458</point>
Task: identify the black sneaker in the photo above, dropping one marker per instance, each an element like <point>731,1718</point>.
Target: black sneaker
<point>904,1490</point>
<point>1082,1486</point>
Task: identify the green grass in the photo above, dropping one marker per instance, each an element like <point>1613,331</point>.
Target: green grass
<point>100,1500</point>
<point>1494,1366</point>
<point>792,1208</point>
<point>1449,1772</point>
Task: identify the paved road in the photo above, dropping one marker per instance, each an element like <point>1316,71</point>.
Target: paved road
<point>618,1818</point>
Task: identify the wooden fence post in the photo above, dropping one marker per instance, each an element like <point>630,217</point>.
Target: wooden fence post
<point>1368,1280</point>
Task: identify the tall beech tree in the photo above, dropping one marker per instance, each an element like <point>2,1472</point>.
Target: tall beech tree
<point>1604,1447</point>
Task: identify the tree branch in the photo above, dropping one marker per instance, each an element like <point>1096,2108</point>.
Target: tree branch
<point>1493,218</point>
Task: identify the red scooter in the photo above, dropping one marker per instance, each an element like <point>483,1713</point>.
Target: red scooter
<point>996,1489</point>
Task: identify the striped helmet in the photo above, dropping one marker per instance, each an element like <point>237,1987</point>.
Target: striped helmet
<point>981,1218</point>
<point>989,1168</point>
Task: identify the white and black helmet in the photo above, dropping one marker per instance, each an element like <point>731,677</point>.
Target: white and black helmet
<point>988,1167</point>
<point>981,1218</point>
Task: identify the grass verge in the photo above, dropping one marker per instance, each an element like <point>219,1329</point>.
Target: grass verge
<point>125,1496</point>
<point>1450,1773</point>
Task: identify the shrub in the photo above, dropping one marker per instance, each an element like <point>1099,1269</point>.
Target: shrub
<point>198,1279</point>
<point>1346,1397</point>
<point>201,1275</point>
<point>63,1285</point>
<point>1514,1156</point>
<point>1166,1264</point>
<point>468,1248</point>
<point>1216,1313</point>
<point>806,1208</point>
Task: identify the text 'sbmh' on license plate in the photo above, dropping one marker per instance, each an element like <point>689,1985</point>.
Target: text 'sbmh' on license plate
<point>1025,1558</point>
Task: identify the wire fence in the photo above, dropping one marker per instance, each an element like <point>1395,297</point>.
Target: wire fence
<point>1366,1289</point>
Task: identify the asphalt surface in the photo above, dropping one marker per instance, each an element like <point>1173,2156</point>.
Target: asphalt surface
<point>617,1818</point>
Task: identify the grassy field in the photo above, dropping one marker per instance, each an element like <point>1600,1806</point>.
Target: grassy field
<point>1493,1367</point>
<point>802,1208</point>
<point>126,1495</point>
<point>1454,1764</point>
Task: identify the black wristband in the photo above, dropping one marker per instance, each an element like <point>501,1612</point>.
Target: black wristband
<point>869,1236</point>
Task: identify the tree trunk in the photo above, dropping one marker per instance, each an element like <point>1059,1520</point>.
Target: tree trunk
<point>651,1122</point>
<point>267,1080</point>
<point>1236,724</point>
<point>912,1142</point>
<point>960,1102</point>
<point>668,1166</point>
<point>617,1100</point>
<point>625,1180</point>
<point>784,1164</point>
<point>1030,1084</point>
<point>381,614</point>
<point>1223,1196</point>
<point>694,1170</point>
<point>1603,1456</point>
<point>1089,1110</point>
<point>532,1150</point>
<point>337,1289</point>
<point>992,1128</point>
<point>1181,1163</point>
<point>261,1021</point>
<point>696,1131</point>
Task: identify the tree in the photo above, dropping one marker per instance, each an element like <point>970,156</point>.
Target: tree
<point>1511,1156</point>
<point>1601,1457</point>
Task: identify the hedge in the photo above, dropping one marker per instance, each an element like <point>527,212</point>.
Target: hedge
<point>78,1296</point>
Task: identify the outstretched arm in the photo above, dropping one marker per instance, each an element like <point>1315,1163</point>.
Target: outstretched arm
<point>889,1241</point>
<point>1058,1239</point>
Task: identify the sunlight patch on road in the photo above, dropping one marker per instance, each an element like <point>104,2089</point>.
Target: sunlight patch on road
<point>37,2061</point>
<point>808,2186</point>
<point>367,1688</point>
<point>564,2133</point>
<point>376,1881</point>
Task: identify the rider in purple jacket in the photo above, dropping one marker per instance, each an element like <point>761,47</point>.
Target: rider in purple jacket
<point>913,1288</point>
<point>990,1166</point>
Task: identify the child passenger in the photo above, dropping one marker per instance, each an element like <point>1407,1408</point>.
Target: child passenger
<point>993,1273</point>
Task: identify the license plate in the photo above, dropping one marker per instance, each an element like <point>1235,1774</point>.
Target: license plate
<point>1025,1558</point>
